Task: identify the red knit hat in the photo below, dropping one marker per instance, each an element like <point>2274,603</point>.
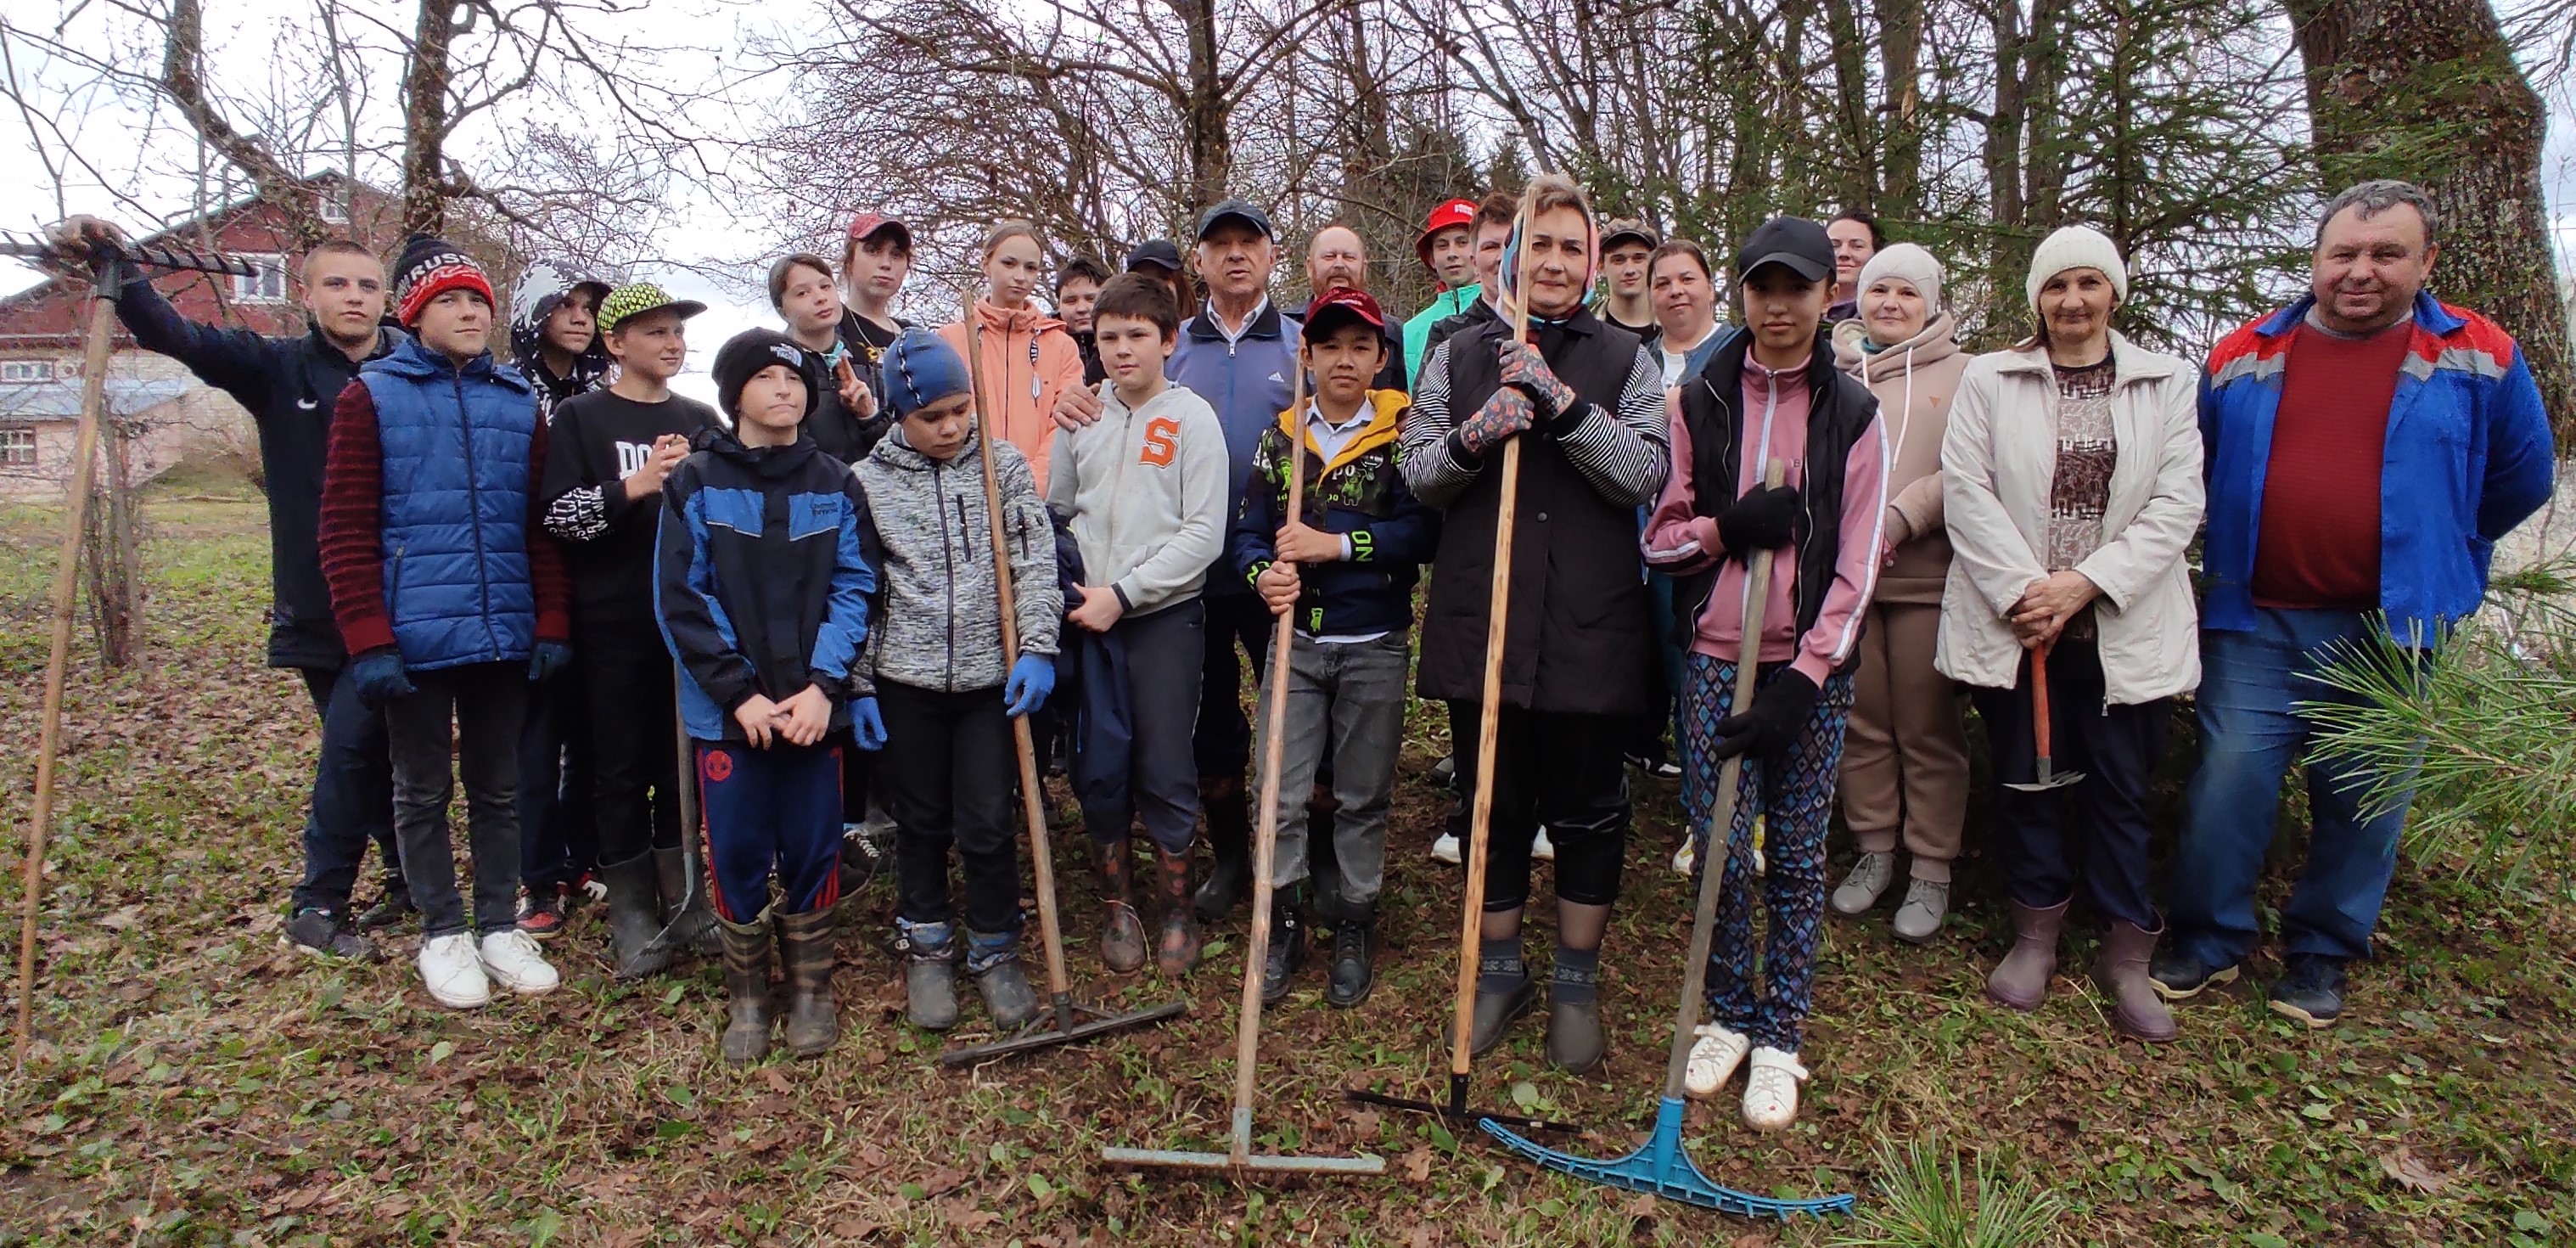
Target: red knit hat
<point>429,268</point>
<point>1455,214</point>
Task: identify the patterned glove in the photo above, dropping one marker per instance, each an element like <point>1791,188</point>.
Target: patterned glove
<point>1507,413</point>
<point>1779,714</point>
<point>1526,370</point>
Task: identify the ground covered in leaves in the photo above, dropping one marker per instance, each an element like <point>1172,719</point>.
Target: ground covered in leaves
<point>196,1084</point>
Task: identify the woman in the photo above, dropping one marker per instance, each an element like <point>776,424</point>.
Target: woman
<point>2071,482</point>
<point>1905,753</point>
<point>1685,302</point>
<point>1029,359</point>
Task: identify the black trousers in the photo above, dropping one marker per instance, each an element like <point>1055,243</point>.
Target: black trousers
<point>634,743</point>
<point>950,771</point>
<point>470,715</point>
<point>353,794</point>
<point>1561,770</point>
<point>1223,742</point>
<point>2097,829</point>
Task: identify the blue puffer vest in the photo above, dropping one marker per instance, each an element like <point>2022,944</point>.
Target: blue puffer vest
<point>456,449</point>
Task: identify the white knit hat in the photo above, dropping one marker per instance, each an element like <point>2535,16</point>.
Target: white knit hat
<point>1909,264</point>
<point>2077,247</point>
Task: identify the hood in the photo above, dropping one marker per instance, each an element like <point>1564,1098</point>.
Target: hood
<point>770,463</point>
<point>1383,426</point>
<point>1938,340</point>
<point>1028,320</point>
<point>534,299</point>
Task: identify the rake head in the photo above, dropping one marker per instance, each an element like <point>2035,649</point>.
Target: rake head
<point>2049,778</point>
<point>1660,1167</point>
<point>1455,1109</point>
<point>1241,1161</point>
<point>1066,1031</point>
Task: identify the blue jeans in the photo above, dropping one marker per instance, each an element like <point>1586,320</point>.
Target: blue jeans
<point>353,794</point>
<point>2250,736</point>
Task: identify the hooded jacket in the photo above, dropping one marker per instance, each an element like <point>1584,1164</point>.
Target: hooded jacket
<point>1417,328</point>
<point>1144,489</point>
<point>1361,495</point>
<point>761,579</point>
<point>532,302</point>
<point>1915,381</point>
<point>1029,361</point>
<point>939,615</point>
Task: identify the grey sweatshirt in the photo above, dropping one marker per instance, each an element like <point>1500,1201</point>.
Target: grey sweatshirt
<point>1146,490</point>
<point>941,624</point>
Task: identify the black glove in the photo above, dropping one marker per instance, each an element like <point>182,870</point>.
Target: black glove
<point>1766,518</point>
<point>1780,710</point>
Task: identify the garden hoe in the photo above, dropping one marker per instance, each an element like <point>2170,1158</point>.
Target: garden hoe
<point>1471,910</point>
<point>2049,776</point>
<point>1660,1166</point>
<point>1073,1023</point>
<point>1239,1159</point>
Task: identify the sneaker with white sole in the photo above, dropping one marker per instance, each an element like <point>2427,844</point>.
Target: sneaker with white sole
<point>1926,908</point>
<point>1771,1091</point>
<point>511,958</point>
<point>1686,859</point>
<point>1859,892</point>
<point>1713,1059</point>
<point>453,972</point>
<point>1541,848</point>
<point>1445,849</point>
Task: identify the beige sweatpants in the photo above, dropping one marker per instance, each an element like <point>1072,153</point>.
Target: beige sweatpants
<point>1905,754</point>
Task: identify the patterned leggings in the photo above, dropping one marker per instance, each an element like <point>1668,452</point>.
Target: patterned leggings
<point>1794,790</point>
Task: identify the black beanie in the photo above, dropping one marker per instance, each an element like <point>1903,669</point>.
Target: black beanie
<point>745,354</point>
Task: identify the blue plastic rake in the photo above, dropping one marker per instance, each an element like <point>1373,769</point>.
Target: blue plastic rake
<point>1660,1166</point>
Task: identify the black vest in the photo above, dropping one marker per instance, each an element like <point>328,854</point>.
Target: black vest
<point>1839,413</point>
<point>1580,639</point>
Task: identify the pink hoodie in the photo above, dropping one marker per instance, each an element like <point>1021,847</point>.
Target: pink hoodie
<point>1029,359</point>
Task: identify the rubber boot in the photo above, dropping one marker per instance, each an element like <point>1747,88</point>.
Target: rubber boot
<point>994,961</point>
<point>2020,981</point>
<point>635,917</point>
<point>693,930</point>
<point>1229,825</point>
<point>1176,950</point>
<point>1287,946</point>
<point>1122,936</point>
<point>929,952</point>
<point>2121,971</point>
<point>813,1016</point>
<point>746,980</point>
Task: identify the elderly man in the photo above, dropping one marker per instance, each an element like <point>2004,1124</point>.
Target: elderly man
<point>2367,447</point>
<point>1337,259</point>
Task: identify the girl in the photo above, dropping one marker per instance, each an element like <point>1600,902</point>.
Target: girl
<point>1029,358</point>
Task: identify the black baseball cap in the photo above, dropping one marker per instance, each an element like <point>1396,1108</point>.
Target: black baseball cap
<point>1796,242</point>
<point>1155,251</point>
<point>1239,210</point>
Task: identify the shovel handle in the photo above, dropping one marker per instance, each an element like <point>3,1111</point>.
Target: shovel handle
<point>2039,701</point>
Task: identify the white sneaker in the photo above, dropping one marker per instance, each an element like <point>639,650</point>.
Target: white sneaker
<point>1771,1091</point>
<point>1686,859</point>
<point>1541,848</point>
<point>1713,1059</point>
<point>511,958</point>
<point>1445,849</point>
<point>452,972</point>
<point>1868,881</point>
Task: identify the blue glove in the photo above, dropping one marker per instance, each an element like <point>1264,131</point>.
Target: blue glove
<point>551,657</point>
<point>867,724</point>
<point>1032,679</point>
<point>380,678</point>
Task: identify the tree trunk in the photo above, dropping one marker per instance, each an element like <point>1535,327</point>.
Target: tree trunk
<point>2427,90</point>
<point>1860,185</point>
<point>1205,120</point>
<point>425,81</point>
<point>1900,54</point>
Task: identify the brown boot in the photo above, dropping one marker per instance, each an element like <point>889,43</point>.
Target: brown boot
<point>1122,937</point>
<point>746,981</point>
<point>2020,981</point>
<point>805,945</point>
<point>1176,953</point>
<point>2121,971</point>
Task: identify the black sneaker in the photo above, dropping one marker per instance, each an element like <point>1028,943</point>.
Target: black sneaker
<point>2312,991</point>
<point>863,859</point>
<point>2178,976</point>
<point>545,910</point>
<point>392,908</point>
<point>326,934</point>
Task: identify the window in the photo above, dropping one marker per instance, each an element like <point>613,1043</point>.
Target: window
<point>335,207</point>
<point>268,286</point>
<point>26,370</point>
<point>17,446</point>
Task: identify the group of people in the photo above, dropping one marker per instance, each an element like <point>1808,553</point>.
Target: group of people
<point>550,560</point>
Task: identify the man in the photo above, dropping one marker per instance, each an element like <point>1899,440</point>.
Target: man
<point>1447,247</point>
<point>1336,259</point>
<point>1856,238</point>
<point>1160,259</point>
<point>1077,288</point>
<point>2367,447</point>
<point>1626,249</point>
<point>288,385</point>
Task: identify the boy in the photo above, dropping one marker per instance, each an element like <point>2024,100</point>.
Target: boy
<point>947,699</point>
<point>1627,253</point>
<point>1346,568</point>
<point>763,595</point>
<point>1077,289</point>
<point>1447,247</point>
<point>451,602</point>
<point>613,449</point>
<point>845,422</point>
<point>554,334</point>
<point>1145,488</point>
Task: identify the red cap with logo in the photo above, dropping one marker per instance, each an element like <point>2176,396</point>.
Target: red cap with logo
<point>1456,214</point>
<point>1339,305</point>
<point>867,225</point>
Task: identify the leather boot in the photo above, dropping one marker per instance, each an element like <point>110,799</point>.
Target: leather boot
<point>693,929</point>
<point>746,981</point>
<point>1122,936</point>
<point>634,917</point>
<point>1176,950</point>
<point>2020,981</point>
<point>805,944</point>
<point>1354,968</point>
<point>1229,825</point>
<point>2121,971</point>
<point>1287,950</point>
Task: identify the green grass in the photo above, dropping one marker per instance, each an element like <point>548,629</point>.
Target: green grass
<point>195,1084</point>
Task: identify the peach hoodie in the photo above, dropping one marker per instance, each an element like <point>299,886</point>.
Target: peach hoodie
<point>1029,360</point>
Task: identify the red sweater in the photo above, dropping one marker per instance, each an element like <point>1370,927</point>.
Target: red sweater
<point>2319,544</point>
<point>353,549</point>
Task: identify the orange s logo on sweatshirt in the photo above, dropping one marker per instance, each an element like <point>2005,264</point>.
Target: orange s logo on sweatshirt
<point>1162,441</point>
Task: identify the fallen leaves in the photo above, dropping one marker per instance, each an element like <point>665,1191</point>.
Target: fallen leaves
<point>2412,1174</point>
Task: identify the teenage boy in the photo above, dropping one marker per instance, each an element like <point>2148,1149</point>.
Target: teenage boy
<point>1578,655</point>
<point>762,585</point>
<point>874,263</point>
<point>845,421</point>
<point>554,334</point>
<point>1447,247</point>
<point>611,451</point>
<point>1345,567</point>
<point>1856,239</point>
<point>451,601</point>
<point>1077,289</point>
<point>1145,486</point>
<point>1627,248</point>
<point>947,696</point>
<point>288,385</point>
